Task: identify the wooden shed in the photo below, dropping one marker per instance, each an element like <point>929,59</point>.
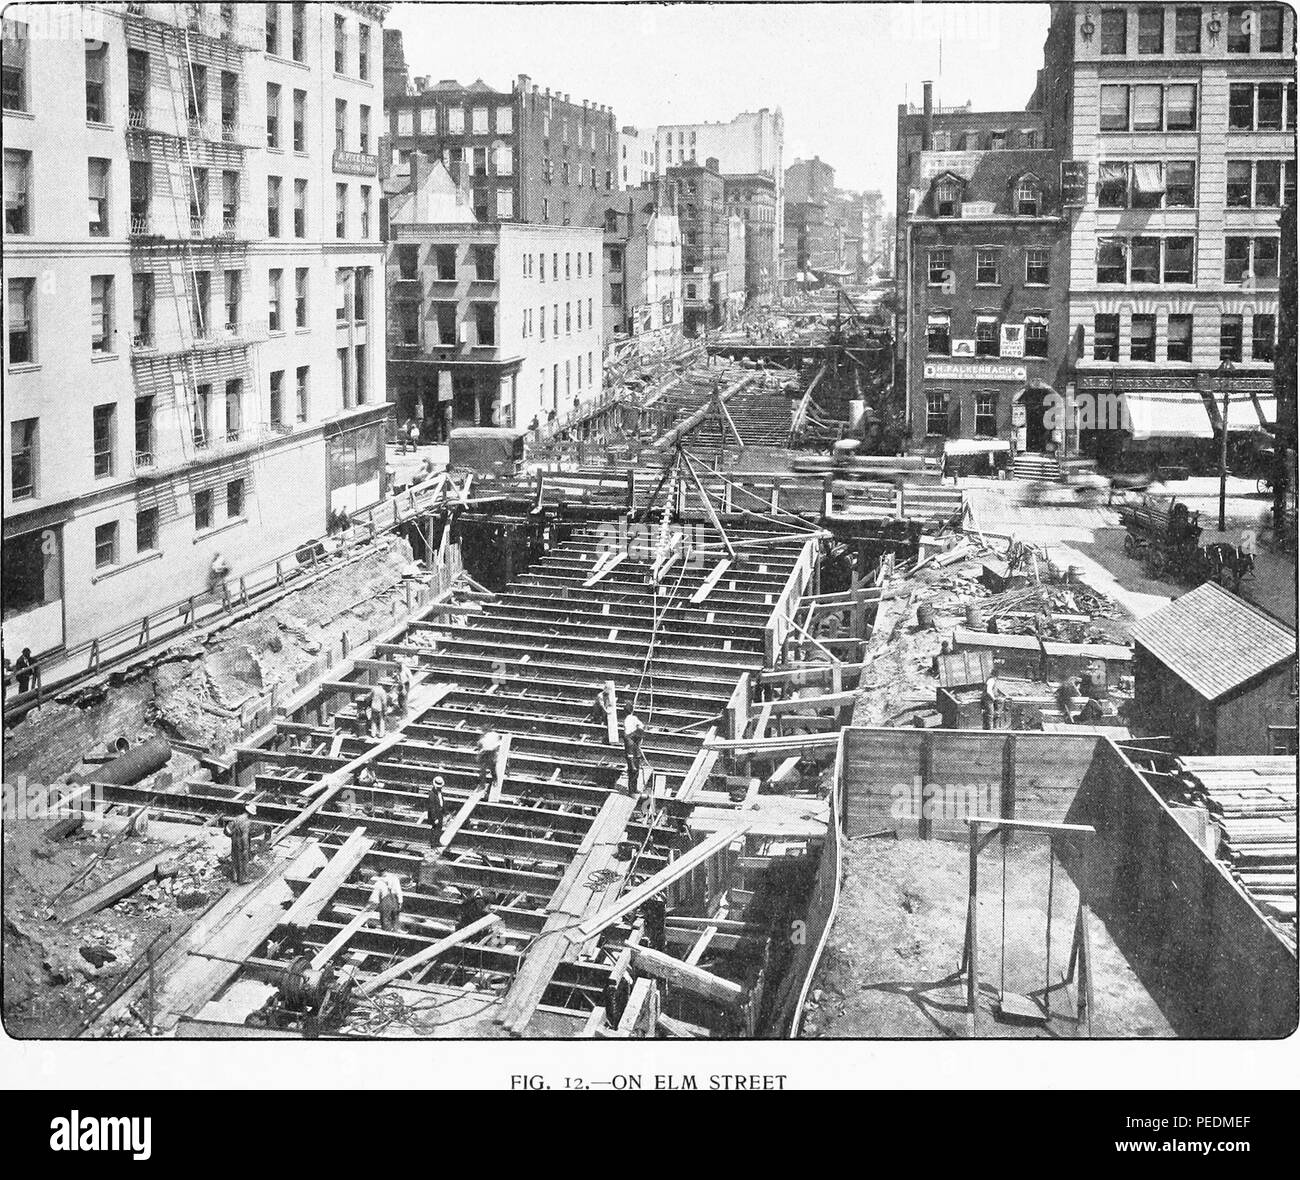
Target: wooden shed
<point>1217,675</point>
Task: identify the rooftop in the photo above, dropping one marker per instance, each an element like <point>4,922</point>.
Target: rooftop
<point>1215,641</point>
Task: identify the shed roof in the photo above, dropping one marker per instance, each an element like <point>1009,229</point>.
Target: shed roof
<point>1214,641</point>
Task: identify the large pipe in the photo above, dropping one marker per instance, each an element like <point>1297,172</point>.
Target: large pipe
<point>129,768</point>
<point>927,107</point>
<point>684,428</point>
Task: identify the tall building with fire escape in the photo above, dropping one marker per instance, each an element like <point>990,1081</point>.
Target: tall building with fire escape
<point>194,304</point>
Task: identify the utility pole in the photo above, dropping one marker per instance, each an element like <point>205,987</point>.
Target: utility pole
<point>1225,370</point>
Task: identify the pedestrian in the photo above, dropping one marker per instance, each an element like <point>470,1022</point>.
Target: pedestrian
<point>240,831</point>
<point>217,576</point>
<point>376,704</point>
<point>633,731</point>
<point>23,669</point>
<point>437,806</point>
<point>1065,697</point>
<point>413,436</point>
<point>577,405</point>
<point>387,897</point>
<point>489,745</point>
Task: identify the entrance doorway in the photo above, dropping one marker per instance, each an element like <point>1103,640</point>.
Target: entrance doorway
<point>1037,432</point>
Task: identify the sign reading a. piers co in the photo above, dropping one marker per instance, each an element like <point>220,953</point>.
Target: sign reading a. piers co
<point>974,371</point>
<point>1074,182</point>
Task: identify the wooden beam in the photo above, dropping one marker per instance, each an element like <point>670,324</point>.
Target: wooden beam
<point>428,953</point>
<point>321,889</point>
<point>687,977</point>
<point>333,783</point>
<point>499,775</point>
<point>702,852</point>
<point>335,944</point>
<point>611,712</point>
<point>712,580</point>
<point>475,797</point>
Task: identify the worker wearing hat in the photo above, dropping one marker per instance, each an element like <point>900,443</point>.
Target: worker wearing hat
<point>240,831</point>
<point>436,807</point>
<point>633,731</point>
<point>386,896</point>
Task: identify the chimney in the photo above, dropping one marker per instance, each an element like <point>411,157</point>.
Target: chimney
<point>421,84</point>
<point>927,107</point>
<point>566,99</point>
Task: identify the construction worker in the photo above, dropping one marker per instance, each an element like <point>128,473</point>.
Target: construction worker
<point>217,576</point>
<point>387,897</point>
<point>403,683</point>
<point>472,907</point>
<point>376,704</point>
<point>240,831</point>
<point>489,745</point>
<point>633,731</point>
<point>436,808</point>
<point>367,782</point>
<point>23,669</point>
<point>989,702</point>
<point>600,711</point>
<point>1064,697</point>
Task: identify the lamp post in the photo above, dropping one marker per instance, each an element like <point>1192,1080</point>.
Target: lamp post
<point>1225,373</point>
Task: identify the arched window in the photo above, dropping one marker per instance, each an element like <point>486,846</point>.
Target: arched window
<point>947,197</point>
<point>1028,196</point>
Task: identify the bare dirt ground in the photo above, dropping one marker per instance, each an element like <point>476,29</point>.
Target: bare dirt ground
<point>890,966</point>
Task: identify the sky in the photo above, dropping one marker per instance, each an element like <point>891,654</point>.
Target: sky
<point>837,71</point>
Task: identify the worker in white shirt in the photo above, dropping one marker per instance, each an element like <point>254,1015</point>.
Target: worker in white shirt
<point>488,746</point>
<point>217,576</point>
<point>403,683</point>
<point>386,896</point>
<point>375,706</point>
<point>633,731</point>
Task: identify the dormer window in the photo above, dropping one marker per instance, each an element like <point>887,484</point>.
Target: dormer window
<point>1028,198</point>
<point>947,197</point>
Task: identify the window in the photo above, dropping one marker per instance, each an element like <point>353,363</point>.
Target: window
<point>1270,28</point>
<point>98,186</point>
<point>101,313</point>
<point>936,413</point>
<point>234,409</point>
<point>96,71</point>
<point>202,510</point>
<point>104,436</point>
<point>1038,272</point>
<point>938,334</point>
<point>345,378</point>
<point>1105,337</point>
<point>1268,183</point>
<point>198,201</point>
<point>301,398</point>
<point>365,211</point>
<point>1239,24</point>
<point>272,115</point>
<point>144,442</point>
<point>1028,197</point>
<point>105,545</point>
<point>299,209</point>
<point>297,35</point>
<point>939,262</point>
<point>1236,259</point>
<point>273,206</point>
<point>340,46</point>
<point>1288,183</point>
<point>541,321</point>
<point>146,530</point>
<point>1180,184</point>
<point>444,263</point>
<point>479,120</point>
<point>997,141</point>
<point>1148,107</point>
<point>568,310</point>
<point>202,415</point>
<point>23,451</point>
<point>1178,345</point>
<point>986,336</point>
<point>406,122</point>
<point>1229,337</point>
<point>986,266</point>
<point>1144,260</point>
<point>505,204</point>
<point>555,319</point>
<point>1114,108</point>
<point>456,120</point>
<point>363,51</point>
<point>234,499</point>
<point>342,296</point>
<point>1147,185</point>
<point>986,423</point>
<point>1180,107</point>
<point>408,262</point>
<point>1266,258</point>
<point>485,325</point>
<point>1112,261</point>
<point>1268,111</point>
<point>21,339</point>
<point>229,107</point>
<point>340,210</point>
<point>14,76</point>
<point>1151,30</point>
<point>17,187</point>
<point>340,125</point>
<point>274,281</point>
<point>142,310</point>
<point>202,290</point>
<point>1263,333</point>
<point>947,197</point>
<point>1036,335</point>
<point>276,398</point>
<point>1142,337</point>
<point>1114,30</point>
<point>299,120</point>
<point>272,28</point>
<point>300,297</point>
<point>1241,106</point>
<point>363,128</point>
<point>1178,260</point>
<point>1187,30</point>
<point>194,82</point>
<point>361,295</point>
<point>505,120</point>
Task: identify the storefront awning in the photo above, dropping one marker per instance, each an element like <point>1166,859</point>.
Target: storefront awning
<point>1153,415</point>
<point>975,446</point>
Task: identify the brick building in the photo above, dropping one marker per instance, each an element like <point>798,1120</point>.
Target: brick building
<point>752,197</point>
<point>983,265</point>
<point>698,195</point>
<point>642,279</point>
<point>525,154</point>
